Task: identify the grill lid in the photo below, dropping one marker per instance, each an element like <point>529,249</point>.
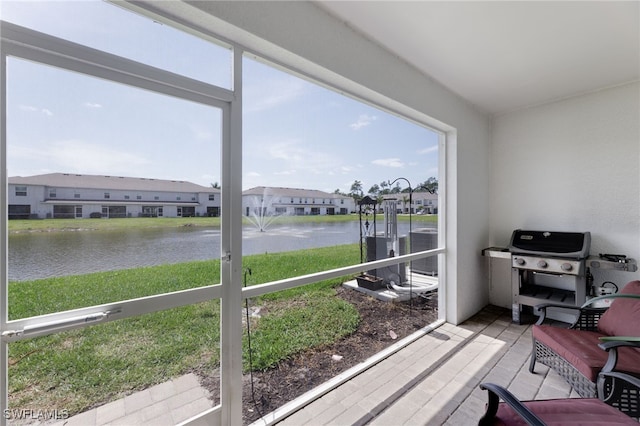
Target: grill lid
<point>545,243</point>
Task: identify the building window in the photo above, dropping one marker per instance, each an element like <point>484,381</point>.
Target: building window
<point>52,193</point>
<point>193,198</point>
<point>178,198</point>
<point>138,197</point>
<point>126,197</point>
<point>21,191</point>
<point>76,195</point>
<point>156,197</point>
<point>63,212</point>
<point>107,195</point>
<point>212,197</point>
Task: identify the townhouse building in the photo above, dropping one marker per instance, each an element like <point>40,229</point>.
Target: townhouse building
<point>294,202</point>
<point>67,195</point>
<point>417,203</point>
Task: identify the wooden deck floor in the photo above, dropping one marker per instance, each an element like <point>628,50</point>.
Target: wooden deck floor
<point>434,380</point>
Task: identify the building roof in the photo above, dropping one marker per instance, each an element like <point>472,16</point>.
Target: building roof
<point>290,192</point>
<point>70,180</point>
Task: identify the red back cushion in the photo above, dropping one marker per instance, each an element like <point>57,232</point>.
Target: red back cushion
<point>623,316</point>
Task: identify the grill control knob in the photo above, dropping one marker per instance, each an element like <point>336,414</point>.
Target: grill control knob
<point>519,261</point>
<point>566,266</point>
<point>542,264</point>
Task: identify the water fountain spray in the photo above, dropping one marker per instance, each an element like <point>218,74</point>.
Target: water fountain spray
<point>261,212</point>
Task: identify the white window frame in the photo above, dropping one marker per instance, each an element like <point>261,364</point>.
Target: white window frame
<point>41,48</point>
<point>30,45</point>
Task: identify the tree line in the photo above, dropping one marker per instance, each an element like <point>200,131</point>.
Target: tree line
<point>378,191</point>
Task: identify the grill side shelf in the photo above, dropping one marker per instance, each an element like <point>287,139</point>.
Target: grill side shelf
<point>596,262</point>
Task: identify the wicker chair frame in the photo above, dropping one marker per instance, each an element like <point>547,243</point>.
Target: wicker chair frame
<point>613,396</point>
<point>578,381</point>
<point>587,320</point>
<point>624,398</point>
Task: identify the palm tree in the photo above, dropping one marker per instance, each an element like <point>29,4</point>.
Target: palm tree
<point>404,204</point>
<point>356,190</point>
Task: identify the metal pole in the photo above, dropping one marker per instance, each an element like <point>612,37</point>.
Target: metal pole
<point>410,228</point>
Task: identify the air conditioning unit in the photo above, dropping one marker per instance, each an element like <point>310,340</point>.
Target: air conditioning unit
<point>379,248</point>
<point>421,240</point>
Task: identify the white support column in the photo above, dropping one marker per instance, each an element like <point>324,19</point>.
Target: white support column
<point>4,242</point>
<point>231,252</point>
<point>447,276</point>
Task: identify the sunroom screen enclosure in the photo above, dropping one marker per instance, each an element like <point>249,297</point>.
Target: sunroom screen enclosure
<point>20,46</point>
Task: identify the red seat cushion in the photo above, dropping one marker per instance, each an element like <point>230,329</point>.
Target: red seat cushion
<point>580,349</point>
<point>571,411</point>
<point>623,316</point>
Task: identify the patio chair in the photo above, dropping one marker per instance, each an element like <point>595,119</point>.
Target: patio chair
<point>575,411</point>
<point>601,339</point>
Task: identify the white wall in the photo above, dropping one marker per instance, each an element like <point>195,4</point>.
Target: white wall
<point>572,165</point>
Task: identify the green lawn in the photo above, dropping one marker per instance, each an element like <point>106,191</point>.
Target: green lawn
<point>82,368</point>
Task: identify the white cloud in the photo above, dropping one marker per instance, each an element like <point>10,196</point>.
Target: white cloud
<point>296,155</point>
<point>363,121</point>
<point>290,151</point>
<point>77,156</point>
<point>93,158</point>
<point>388,162</point>
<point>201,133</point>
<point>271,94</point>
<point>429,150</point>
<point>30,108</point>
<point>253,174</point>
<point>92,105</point>
<point>285,173</point>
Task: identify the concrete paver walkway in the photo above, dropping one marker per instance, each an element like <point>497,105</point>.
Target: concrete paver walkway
<point>168,403</point>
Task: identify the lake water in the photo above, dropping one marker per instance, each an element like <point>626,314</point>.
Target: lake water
<point>43,254</point>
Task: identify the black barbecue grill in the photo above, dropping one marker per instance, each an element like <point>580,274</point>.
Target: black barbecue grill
<point>557,244</point>
<point>548,267</point>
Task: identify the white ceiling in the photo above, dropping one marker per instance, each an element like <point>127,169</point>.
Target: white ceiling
<point>505,55</point>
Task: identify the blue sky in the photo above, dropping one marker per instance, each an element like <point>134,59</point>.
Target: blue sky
<point>296,134</point>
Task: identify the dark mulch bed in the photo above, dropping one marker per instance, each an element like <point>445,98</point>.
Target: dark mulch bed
<point>381,325</point>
